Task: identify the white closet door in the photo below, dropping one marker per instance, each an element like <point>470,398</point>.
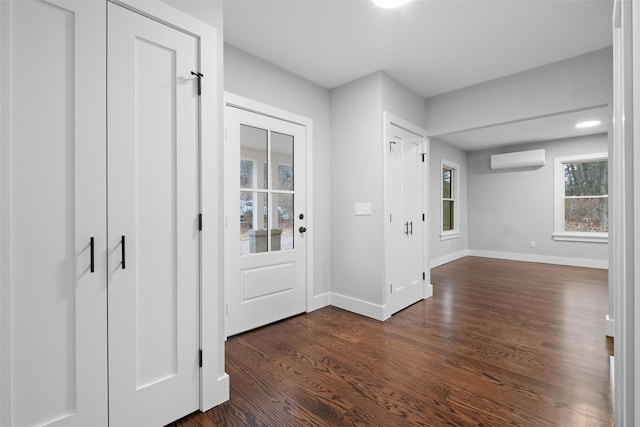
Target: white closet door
<point>412,266</point>
<point>153,204</point>
<point>404,232</point>
<point>52,202</point>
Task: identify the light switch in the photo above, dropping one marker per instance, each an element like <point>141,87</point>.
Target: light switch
<point>362,208</point>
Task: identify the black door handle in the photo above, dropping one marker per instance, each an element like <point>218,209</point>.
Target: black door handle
<point>302,229</point>
<point>123,254</point>
<point>92,256</point>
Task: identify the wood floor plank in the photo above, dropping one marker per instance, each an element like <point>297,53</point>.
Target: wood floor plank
<point>500,343</point>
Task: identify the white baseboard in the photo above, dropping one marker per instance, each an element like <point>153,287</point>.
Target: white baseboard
<point>428,291</point>
<point>610,325</point>
<point>318,301</point>
<point>544,259</point>
<point>437,262</point>
<point>368,309</point>
<point>358,306</point>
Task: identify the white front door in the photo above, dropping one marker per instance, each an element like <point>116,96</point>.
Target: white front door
<point>53,304</point>
<point>265,236</point>
<point>153,207</point>
<point>405,221</point>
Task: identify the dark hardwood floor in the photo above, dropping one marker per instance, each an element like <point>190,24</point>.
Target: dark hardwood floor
<point>500,343</point>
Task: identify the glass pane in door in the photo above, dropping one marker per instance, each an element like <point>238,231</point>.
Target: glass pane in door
<point>282,230</point>
<point>253,156</point>
<point>282,161</point>
<point>254,218</point>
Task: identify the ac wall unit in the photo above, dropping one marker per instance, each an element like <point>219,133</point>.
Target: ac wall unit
<point>521,159</point>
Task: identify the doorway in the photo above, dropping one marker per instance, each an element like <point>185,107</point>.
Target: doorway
<point>266,236</point>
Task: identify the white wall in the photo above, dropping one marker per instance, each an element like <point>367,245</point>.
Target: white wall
<point>443,251</point>
<point>357,108</point>
<point>402,102</point>
<point>357,254</point>
<point>510,208</point>
<point>576,83</point>
<point>256,79</point>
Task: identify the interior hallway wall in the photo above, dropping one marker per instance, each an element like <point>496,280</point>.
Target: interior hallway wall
<point>357,261</point>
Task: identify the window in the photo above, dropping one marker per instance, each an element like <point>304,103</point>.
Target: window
<point>582,198</point>
<point>246,173</point>
<point>450,209</point>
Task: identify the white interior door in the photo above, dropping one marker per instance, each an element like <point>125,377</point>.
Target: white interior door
<point>153,207</point>
<point>405,222</point>
<point>265,235</point>
<point>52,204</point>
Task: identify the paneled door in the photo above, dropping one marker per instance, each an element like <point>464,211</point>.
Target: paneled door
<point>266,226</point>
<point>53,302</point>
<point>153,206</point>
<point>405,222</point>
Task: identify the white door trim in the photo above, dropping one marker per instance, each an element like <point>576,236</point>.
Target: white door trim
<point>214,382</point>
<point>388,120</point>
<point>237,101</point>
<point>635,127</point>
<point>5,296</point>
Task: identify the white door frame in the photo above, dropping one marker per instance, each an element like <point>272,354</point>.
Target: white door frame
<point>389,120</point>
<point>214,382</point>
<point>237,101</point>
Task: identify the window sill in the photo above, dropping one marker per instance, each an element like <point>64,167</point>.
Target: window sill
<point>448,235</point>
<point>581,237</point>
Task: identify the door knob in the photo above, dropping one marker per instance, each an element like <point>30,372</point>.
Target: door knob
<point>302,229</point>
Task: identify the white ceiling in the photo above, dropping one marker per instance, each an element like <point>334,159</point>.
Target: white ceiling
<point>533,130</point>
<point>430,46</point>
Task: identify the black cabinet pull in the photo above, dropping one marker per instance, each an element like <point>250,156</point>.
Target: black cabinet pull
<point>406,228</point>
<point>92,254</point>
<point>123,255</point>
<point>411,224</point>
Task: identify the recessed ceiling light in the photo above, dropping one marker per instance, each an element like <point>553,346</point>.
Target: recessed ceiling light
<point>588,124</point>
<point>389,4</point>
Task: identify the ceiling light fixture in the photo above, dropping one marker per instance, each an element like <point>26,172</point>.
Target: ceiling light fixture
<point>588,124</point>
<point>389,4</point>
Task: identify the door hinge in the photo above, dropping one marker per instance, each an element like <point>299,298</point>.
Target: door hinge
<point>200,358</point>
<point>200,222</point>
<point>424,276</point>
<point>199,76</point>
<point>423,216</point>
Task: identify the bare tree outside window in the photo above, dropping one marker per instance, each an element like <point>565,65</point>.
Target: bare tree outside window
<point>246,173</point>
<point>448,200</point>
<point>285,177</point>
<point>586,196</point>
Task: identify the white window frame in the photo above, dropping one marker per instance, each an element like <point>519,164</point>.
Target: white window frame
<point>559,187</point>
<point>455,197</point>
